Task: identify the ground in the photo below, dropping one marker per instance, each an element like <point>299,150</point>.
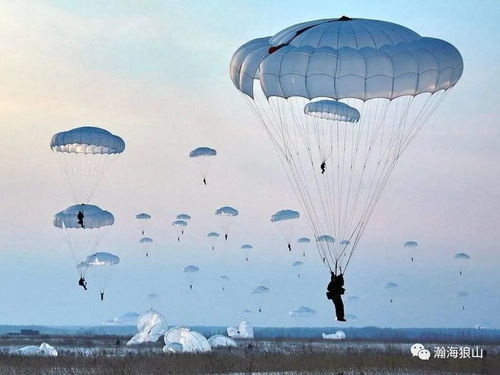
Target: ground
<point>101,355</point>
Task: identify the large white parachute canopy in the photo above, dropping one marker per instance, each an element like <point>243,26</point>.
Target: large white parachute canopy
<point>203,157</point>
<point>150,326</point>
<point>386,80</point>
<point>44,350</point>
<point>339,335</point>
<point>191,341</point>
<point>83,227</point>
<point>99,265</point>
<point>285,222</point>
<point>86,153</point>
<point>226,216</point>
<point>302,312</point>
<point>143,220</point>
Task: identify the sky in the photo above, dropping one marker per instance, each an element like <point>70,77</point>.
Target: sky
<point>156,73</point>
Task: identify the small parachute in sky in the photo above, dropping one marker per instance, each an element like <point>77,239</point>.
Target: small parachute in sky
<point>285,222</point>
<point>85,154</point>
<point>184,217</point>
<point>191,272</point>
<point>332,110</point>
<point>226,216</point>
<point>180,225</point>
<point>260,294</point>
<point>212,238</point>
<point>247,248</point>
<point>143,219</point>
<point>463,260</point>
<point>411,245</point>
<point>99,265</point>
<point>147,244</point>
<point>390,286</point>
<point>302,312</point>
<point>203,157</point>
<point>327,239</point>
<point>298,264</point>
<point>224,279</point>
<point>304,243</point>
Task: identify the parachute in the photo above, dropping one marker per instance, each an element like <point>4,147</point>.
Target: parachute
<point>243,331</point>
<point>386,81</point>
<point>284,221</point>
<point>191,341</point>
<point>390,286</point>
<point>85,154</point>
<point>147,244</point>
<point>224,280</point>
<point>220,341</point>
<point>203,157</point>
<point>297,263</point>
<point>83,227</point>
<point>212,237</point>
<point>247,248</point>
<point>411,245</point>
<point>332,110</point>
<point>226,215</point>
<point>260,295</point>
<point>99,265</point>
<point>184,217</point>
<point>180,225</point>
<point>304,243</point>
<point>150,325</point>
<point>302,312</point>
<point>143,220</point>
<point>463,260</point>
<point>339,335</point>
<point>191,272</point>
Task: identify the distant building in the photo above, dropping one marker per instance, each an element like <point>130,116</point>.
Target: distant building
<point>25,332</point>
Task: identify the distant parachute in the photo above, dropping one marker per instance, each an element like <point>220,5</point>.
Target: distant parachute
<point>226,216</point>
<point>147,244</point>
<point>143,220</point>
<point>390,286</point>
<point>180,225</point>
<point>332,110</point>
<point>297,264</point>
<point>411,245</point>
<point>260,292</point>
<point>247,248</point>
<point>224,280</point>
<point>326,239</point>
<point>284,221</point>
<point>302,312</point>
<point>184,217</point>
<point>83,226</point>
<point>99,264</point>
<point>85,154</point>
<point>212,237</point>
<point>203,157</point>
<point>191,272</point>
<point>304,244</point>
<point>463,260</point>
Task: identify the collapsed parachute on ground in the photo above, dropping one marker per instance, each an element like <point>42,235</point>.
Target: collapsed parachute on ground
<point>173,347</point>
<point>44,350</point>
<point>150,325</point>
<point>393,77</point>
<point>85,154</point>
<point>243,331</point>
<point>220,341</point>
<point>339,335</point>
<point>191,341</point>
<point>302,312</point>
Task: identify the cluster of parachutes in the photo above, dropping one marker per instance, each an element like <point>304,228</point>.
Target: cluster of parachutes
<point>85,153</point>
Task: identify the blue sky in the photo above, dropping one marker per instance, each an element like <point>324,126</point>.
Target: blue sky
<point>156,73</point>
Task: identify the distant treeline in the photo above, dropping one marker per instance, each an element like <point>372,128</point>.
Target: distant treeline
<point>452,335</point>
